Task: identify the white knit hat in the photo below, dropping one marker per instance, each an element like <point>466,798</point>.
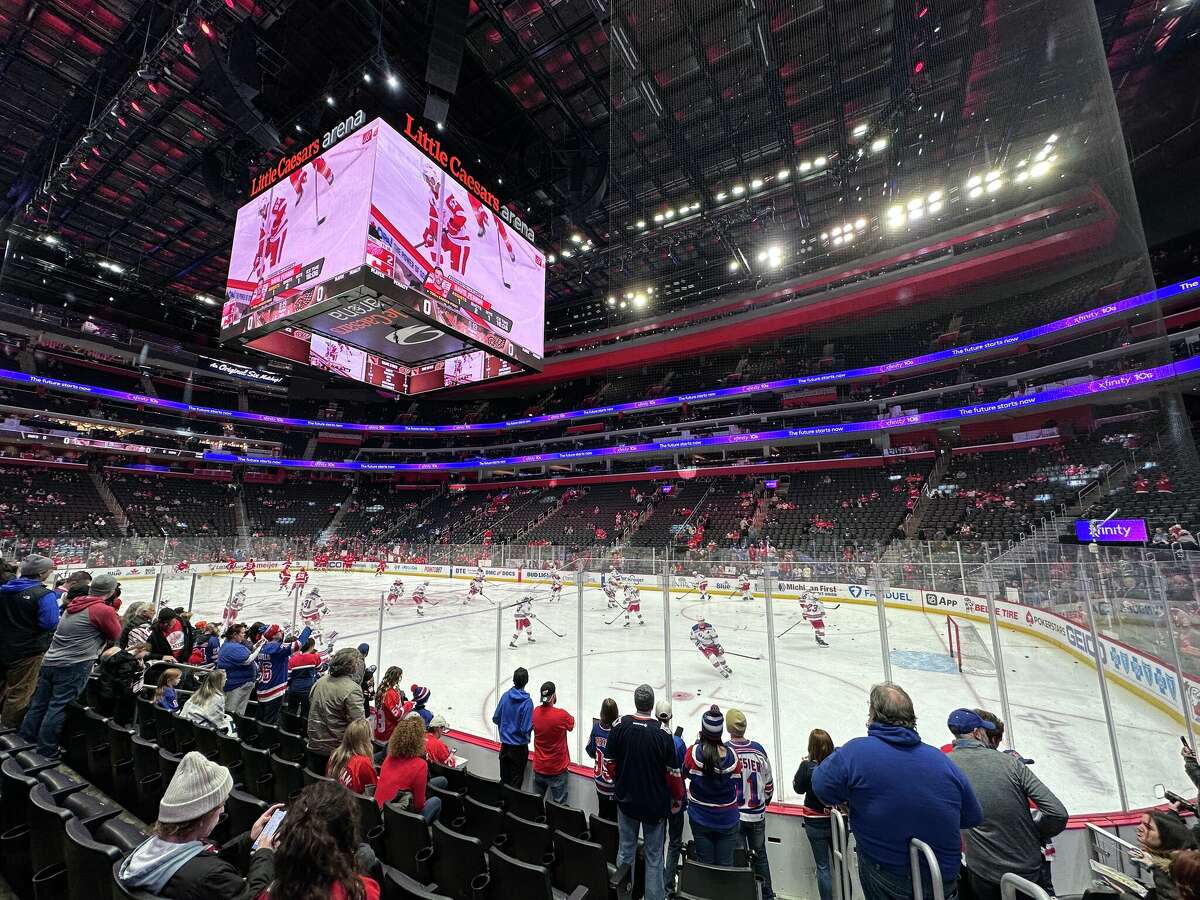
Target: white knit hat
<point>198,787</point>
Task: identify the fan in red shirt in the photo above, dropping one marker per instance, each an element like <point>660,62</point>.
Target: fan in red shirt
<point>390,704</point>
<point>435,750</point>
<point>353,763</point>
<point>405,769</point>
<point>550,755</point>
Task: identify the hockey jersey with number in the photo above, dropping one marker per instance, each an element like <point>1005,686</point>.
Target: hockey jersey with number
<point>522,609</point>
<point>812,608</point>
<point>273,666</point>
<point>705,635</point>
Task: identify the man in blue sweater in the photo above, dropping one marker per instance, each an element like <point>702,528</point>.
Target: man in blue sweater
<point>514,717</point>
<point>28,616</point>
<point>898,789</point>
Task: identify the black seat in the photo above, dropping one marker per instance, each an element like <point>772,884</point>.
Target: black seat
<point>405,835</point>
<point>123,835</point>
<point>164,728</point>
<point>73,736</point>
<point>146,719</point>
<point>512,877</point>
<point>148,783</point>
<point>370,816</point>
<point>120,762</point>
<point>286,778</point>
<point>311,777</point>
<point>256,773</point>
<point>456,779</point>
<point>12,743</point>
<point>455,863</point>
<point>244,810</point>
<point>208,741</point>
<point>398,886</point>
<point>718,882</point>
<point>185,734</point>
<point>316,760</point>
<point>247,728</point>
<point>530,842</point>
<point>167,764</point>
<point>452,801</point>
<point>605,833</point>
<point>566,819</point>
<point>581,862</point>
<point>95,733</point>
<point>294,722</point>
<point>229,754</point>
<point>47,827</point>
<point>522,803</point>
<point>267,737</point>
<point>481,821</point>
<point>485,790</point>
<point>291,746</point>
<point>88,863</point>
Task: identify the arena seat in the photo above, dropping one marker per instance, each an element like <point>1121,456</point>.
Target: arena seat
<point>511,877</point>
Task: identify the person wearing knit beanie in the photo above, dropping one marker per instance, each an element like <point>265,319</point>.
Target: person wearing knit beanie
<point>713,773</point>
<point>177,860</point>
<point>420,696</point>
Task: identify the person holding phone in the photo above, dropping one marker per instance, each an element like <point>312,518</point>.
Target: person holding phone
<point>1190,766</point>
<point>178,862</point>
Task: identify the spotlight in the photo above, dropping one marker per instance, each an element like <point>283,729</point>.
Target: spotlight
<point>879,144</point>
<point>207,30</point>
<point>641,223</point>
<point>756,184</point>
<point>734,265</point>
<point>440,126</point>
<point>860,224</point>
<point>738,190</point>
<point>819,162</point>
<point>329,100</point>
<point>975,192</point>
<point>720,196</point>
<point>805,166</point>
<point>577,238</point>
<point>367,77</point>
<point>783,174</point>
<point>392,81</point>
<point>859,130</point>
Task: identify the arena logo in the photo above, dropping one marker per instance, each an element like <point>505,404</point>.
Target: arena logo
<point>932,599</point>
<point>305,154</point>
<point>1047,624</point>
<point>412,335</point>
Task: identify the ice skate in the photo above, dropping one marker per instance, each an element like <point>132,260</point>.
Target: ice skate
<point>821,642</point>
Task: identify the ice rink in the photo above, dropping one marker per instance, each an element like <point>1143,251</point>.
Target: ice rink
<point>1056,716</point>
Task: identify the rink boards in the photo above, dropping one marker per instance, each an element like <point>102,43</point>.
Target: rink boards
<point>1146,676</point>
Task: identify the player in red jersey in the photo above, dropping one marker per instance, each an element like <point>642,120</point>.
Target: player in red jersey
<point>284,577</point>
<point>248,568</point>
<point>231,565</point>
<point>182,567</point>
<point>299,582</point>
<point>380,566</point>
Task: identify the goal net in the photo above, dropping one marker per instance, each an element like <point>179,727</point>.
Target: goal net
<point>968,649</point>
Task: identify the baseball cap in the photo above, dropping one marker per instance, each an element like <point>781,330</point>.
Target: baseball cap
<point>547,691</point>
<point>35,566</point>
<point>964,721</point>
<point>663,711</point>
<point>735,720</point>
<point>103,584</point>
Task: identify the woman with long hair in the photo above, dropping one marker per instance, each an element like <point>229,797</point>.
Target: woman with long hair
<point>315,849</point>
<point>1160,835</point>
<point>713,772</point>
<point>405,769</point>
<point>816,817</point>
<point>206,706</point>
<point>605,772</point>
<point>389,704</point>
<point>353,762</point>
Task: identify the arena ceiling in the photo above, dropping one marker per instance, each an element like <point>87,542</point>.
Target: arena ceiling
<point>685,146</point>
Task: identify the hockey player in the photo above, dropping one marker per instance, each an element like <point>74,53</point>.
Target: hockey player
<point>248,568</point>
<point>701,585</point>
<point>380,566</point>
<point>474,589</point>
<point>610,591</point>
<point>418,597</point>
<point>395,593</point>
<point>230,616</point>
<point>744,585</point>
<point>704,636</point>
<point>522,620</point>
<point>633,604</point>
<point>813,611</point>
<point>555,585</point>
<point>181,567</point>
<point>313,610</point>
<point>299,583</point>
<point>321,561</point>
<point>231,565</point>
<point>285,576</point>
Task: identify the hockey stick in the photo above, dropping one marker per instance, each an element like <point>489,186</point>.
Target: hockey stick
<point>500,256</point>
<point>742,655</point>
<point>618,615</point>
<point>685,593</point>
<point>789,628</point>
<point>543,623</point>
<point>317,197</point>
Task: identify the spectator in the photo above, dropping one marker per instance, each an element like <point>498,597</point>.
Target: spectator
<point>405,769</point>
<point>420,696</point>
<point>1009,838</point>
<point>135,624</point>
<point>514,716</point>
<point>353,762</point>
<point>335,702</point>
<point>207,646</point>
<point>435,748</point>
<point>302,675</point>
<point>817,825</point>
<point>206,706</point>
<point>1185,872</point>
<point>550,754</point>
<point>603,772</point>
<point>316,849</point>
<point>272,668</point>
<point>177,861</point>
<point>170,637</point>
<point>118,681</point>
<point>664,713</point>
<point>1160,835</point>
<point>390,708</point>
<point>89,623</point>
<point>898,788</point>
<point>237,659</point>
<point>164,694</point>
<point>712,770</point>
<point>28,616</point>
<point>754,791</point>
<point>647,784</point>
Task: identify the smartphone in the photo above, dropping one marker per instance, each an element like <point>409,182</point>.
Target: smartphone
<point>270,828</point>
<point>679,732</point>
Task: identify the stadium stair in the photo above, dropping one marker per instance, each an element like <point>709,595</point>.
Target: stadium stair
<point>110,500</point>
<point>912,524</point>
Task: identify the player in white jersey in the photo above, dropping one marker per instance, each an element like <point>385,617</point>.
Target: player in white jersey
<point>418,597</point>
<point>744,585</point>
<point>395,593</point>
<point>813,611</point>
<point>555,585</point>
<point>230,616</point>
<point>704,636</point>
<point>701,583</point>
<point>633,604</point>
<point>610,591</point>
<point>523,620</point>
<point>312,611</point>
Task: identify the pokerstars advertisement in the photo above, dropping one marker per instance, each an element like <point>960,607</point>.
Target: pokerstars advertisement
<point>305,229</point>
<point>428,229</point>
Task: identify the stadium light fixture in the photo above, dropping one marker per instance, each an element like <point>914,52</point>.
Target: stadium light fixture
<point>639,300</point>
<point>860,224</point>
<point>641,223</point>
<point>916,213</point>
<point>934,197</point>
<point>612,301</point>
<point>577,238</point>
<point>392,81</point>
<point>973,182</point>
<point>658,217</point>
<point>720,196</point>
<point>695,206</point>
<point>860,129</point>
<point>50,239</point>
<point>837,240</point>
<point>738,190</point>
<point>669,214</point>
<point>762,256</point>
<point>935,207</point>
<point>683,210</point>
<point>819,162</point>
<point>734,265</point>
<point>993,186</point>
<point>805,167</point>
<point>552,259</point>
<point>756,184</point>
<point>783,174</point>
<point>994,175</point>
<point>623,304</point>
<point>975,192</point>
<point>915,203</point>
<point>879,144</point>
<point>566,254</point>
<point>367,77</point>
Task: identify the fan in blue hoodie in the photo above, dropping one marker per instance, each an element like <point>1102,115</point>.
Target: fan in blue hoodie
<point>514,717</point>
<point>898,788</point>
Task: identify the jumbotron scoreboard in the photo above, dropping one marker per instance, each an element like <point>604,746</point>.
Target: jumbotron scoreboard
<point>377,255</point>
